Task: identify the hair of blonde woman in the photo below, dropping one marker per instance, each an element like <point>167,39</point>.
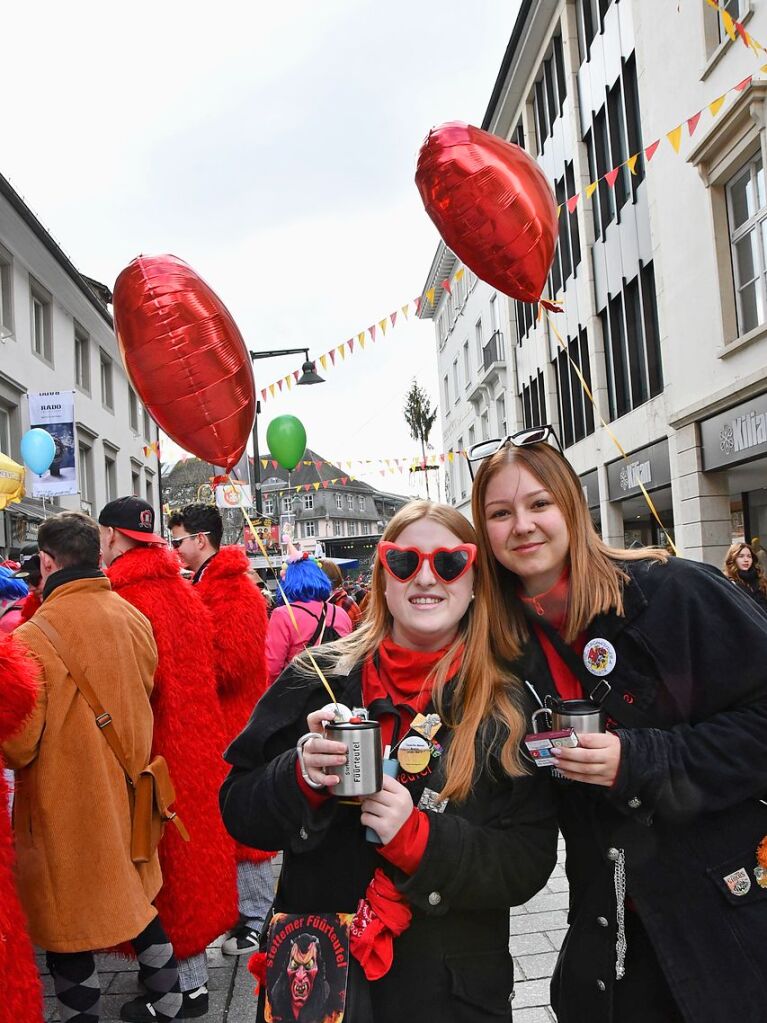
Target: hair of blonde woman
<point>486,697</point>
<point>596,576</point>
<point>730,567</point>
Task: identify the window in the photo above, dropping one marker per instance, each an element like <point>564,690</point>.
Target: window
<point>307,501</point>
<point>352,529</point>
<point>85,458</point>
<point>446,393</point>
<point>339,501</point>
<point>734,9</point>
<point>484,426</point>
<point>442,327</point>
<point>576,413</point>
<point>614,136</point>
<point>338,527</point>
<point>269,505</point>
<point>549,92</point>
<point>456,381</point>
<point>466,363</point>
<point>6,294</point>
<point>478,340</point>
<point>135,479</point>
<point>350,502</point>
<point>462,470</point>
<point>632,344</point>
<point>500,415</point>
<point>82,360</point>
<point>287,504</point>
<point>361,503</point>
<point>747,215</point>
<point>42,339</point>
<point>526,313</point>
<point>107,383</point>
<point>147,425</point>
<point>132,409</point>
<point>149,491</point>
<point>534,402</point>
<point>110,472</point>
<point>5,431</point>
<point>590,15</point>
<point>518,136</point>
<point>310,527</point>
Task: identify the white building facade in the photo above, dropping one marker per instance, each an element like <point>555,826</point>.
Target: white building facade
<point>663,276</point>
<point>56,334</point>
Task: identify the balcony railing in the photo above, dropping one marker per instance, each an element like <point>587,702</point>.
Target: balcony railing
<point>493,350</point>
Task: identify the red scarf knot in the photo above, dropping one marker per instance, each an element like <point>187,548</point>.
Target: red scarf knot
<point>381,917</point>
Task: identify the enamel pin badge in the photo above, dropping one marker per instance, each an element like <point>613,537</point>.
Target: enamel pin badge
<point>599,657</point>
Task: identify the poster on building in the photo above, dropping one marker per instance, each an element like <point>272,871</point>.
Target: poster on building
<point>233,494</point>
<point>54,412</point>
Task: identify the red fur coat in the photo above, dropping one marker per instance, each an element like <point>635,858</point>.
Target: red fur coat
<point>21,998</point>
<point>198,899</point>
<point>239,638</point>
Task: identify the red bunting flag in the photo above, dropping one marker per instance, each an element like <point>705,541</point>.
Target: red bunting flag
<point>295,375</point>
<point>572,202</point>
<point>279,384</point>
<point>350,343</point>
<point>393,318</point>
<point>344,480</point>
<point>744,84</point>
<point>651,150</point>
<point>325,484</point>
<point>274,463</point>
<point>742,33</point>
<point>332,354</point>
<point>372,332</point>
<point>692,123</point>
<point>612,176</point>
<point>446,286</point>
<point>417,302</point>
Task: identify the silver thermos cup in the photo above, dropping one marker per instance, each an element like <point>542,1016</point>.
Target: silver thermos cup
<point>581,715</point>
<point>362,774</point>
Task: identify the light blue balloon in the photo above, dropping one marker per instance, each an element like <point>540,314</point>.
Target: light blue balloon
<point>37,450</point>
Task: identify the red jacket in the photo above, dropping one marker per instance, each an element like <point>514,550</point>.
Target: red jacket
<point>198,899</point>
<point>22,997</point>
<point>239,640</point>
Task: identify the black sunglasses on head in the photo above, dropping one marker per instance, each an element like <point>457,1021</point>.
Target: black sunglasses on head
<point>522,439</point>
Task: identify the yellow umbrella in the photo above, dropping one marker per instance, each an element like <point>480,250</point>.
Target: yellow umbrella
<point>11,481</point>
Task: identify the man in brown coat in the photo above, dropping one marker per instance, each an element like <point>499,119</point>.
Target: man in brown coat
<point>77,882</point>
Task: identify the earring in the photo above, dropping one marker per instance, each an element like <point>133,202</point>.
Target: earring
<point>472,595</point>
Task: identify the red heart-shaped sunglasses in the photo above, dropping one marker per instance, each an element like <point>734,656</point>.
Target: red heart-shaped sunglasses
<point>447,563</point>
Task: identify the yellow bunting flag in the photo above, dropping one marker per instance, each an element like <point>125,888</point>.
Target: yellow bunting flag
<point>729,24</point>
<point>716,105</point>
<point>430,295</point>
<point>631,163</point>
<point>405,310</point>
<point>289,381</point>
<point>324,361</point>
<point>590,189</point>
<point>459,274</point>
<point>383,324</point>
<point>559,209</point>
<point>271,389</point>
<point>341,351</point>
<point>675,137</point>
<point>361,338</point>
<point>316,486</point>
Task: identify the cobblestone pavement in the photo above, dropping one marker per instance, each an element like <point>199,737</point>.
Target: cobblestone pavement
<point>536,932</point>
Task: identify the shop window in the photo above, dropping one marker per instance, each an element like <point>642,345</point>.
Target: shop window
<point>632,344</point>
<point>576,413</point>
<point>747,211</point>
<point>534,402</point>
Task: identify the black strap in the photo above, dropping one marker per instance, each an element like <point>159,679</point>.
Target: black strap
<point>596,690</point>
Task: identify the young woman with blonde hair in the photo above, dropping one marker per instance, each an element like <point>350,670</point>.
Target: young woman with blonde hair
<point>466,830</point>
<point>662,813</point>
<point>742,568</point>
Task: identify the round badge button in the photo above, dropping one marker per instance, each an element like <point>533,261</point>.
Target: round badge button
<point>599,657</point>
<point>414,754</point>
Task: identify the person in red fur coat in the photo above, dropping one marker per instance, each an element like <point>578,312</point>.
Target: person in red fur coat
<point>198,900</point>
<point>22,999</point>
<point>221,577</point>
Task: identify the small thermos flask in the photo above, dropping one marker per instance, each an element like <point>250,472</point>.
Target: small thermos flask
<point>362,774</point>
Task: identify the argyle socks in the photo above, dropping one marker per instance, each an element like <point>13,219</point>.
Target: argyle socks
<point>76,984</point>
<point>158,970</point>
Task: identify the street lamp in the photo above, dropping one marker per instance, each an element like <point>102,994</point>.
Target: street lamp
<point>308,376</point>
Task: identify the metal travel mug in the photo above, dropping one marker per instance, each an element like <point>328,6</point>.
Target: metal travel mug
<point>582,716</point>
<point>362,774</point>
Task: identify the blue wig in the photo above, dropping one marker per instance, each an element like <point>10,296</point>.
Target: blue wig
<point>304,580</point>
<point>10,588</point>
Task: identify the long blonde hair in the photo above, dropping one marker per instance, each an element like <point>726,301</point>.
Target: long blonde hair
<point>596,578</point>
<point>486,697</point>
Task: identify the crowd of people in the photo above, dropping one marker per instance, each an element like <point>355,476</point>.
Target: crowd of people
<point>397,901</point>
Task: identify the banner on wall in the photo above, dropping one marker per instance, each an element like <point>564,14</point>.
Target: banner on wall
<point>234,495</point>
<point>54,412</point>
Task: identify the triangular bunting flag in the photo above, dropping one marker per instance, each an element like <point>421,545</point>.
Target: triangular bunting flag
<point>361,340</point>
<point>344,480</point>
<point>274,463</point>
<point>742,33</point>
<point>372,332</point>
<point>631,163</point>
<point>590,189</point>
<point>572,202</point>
<point>263,463</point>
<point>417,303</point>
<point>317,465</point>
<point>450,456</point>
<point>675,137</point>
<point>430,295</point>
<point>612,176</point>
<point>350,343</point>
<point>271,389</point>
<point>393,318</point>
<point>341,351</point>
<point>263,394</point>
<point>332,354</point>
<point>405,310</point>
<point>692,123</point>
<point>446,285</point>
<point>316,486</point>
<point>383,324</point>
<point>279,384</point>
<point>296,375</point>
<point>289,382</point>
<point>325,484</point>
<point>744,84</point>
<point>651,150</point>
<point>324,362</point>
<point>459,274</point>
<point>559,210</point>
<point>716,104</point>
<point>728,22</point>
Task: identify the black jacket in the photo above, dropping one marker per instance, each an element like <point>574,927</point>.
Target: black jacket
<point>494,851</point>
<point>689,696</point>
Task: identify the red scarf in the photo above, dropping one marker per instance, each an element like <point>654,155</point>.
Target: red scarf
<point>552,607</point>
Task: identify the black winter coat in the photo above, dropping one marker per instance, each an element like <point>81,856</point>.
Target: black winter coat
<point>494,851</point>
<point>689,696</point>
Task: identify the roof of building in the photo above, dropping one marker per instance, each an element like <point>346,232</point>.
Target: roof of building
<point>92,290</point>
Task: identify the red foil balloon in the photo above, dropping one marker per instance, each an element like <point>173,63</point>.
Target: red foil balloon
<point>492,205</point>
<point>185,357</point>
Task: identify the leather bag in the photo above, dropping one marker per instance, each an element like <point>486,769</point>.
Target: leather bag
<point>152,789</point>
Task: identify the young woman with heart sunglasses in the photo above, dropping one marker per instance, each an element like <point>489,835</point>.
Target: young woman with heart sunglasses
<point>467,831</point>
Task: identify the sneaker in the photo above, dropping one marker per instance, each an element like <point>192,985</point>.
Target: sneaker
<point>241,940</point>
<point>141,1010</point>
<point>195,1003</point>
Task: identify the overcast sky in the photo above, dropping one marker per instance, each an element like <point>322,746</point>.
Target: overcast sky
<point>273,148</point>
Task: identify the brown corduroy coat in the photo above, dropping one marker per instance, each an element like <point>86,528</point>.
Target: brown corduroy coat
<point>72,815</point>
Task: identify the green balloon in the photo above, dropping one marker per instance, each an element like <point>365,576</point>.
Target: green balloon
<point>286,438</point>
